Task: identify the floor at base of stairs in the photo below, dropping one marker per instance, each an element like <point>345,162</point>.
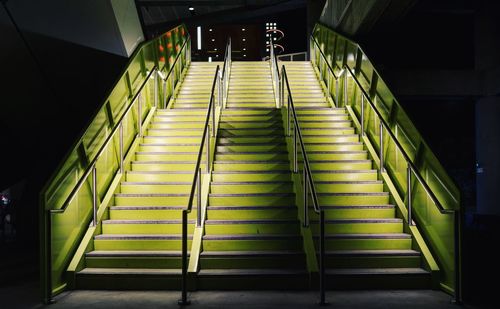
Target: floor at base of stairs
<point>26,296</point>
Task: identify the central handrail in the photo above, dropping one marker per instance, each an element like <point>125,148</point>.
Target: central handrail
<point>170,71</point>
<point>220,83</point>
<point>308,181</point>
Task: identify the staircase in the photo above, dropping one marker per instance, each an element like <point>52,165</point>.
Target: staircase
<point>252,235</point>
<point>365,241</point>
<point>140,241</point>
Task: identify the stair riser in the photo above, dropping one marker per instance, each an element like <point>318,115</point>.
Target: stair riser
<point>327,132</point>
<point>353,200</point>
<point>341,188</point>
<point>250,125</point>
<point>330,139</point>
<point>172,140</point>
<point>323,125</point>
<point>251,214</point>
<point>134,262</point>
<point>149,214</point>
<point>336,156</point>
<point>177,125</point>
<point>364,165</point>
<point>252,229</point>
<point>152,201</point>
<point>373,262</point>
<point>167,167</point>
<point>250,177</point>
<point>365,244</point>
<point>251,167</point>
<point>167,157</point>
<point>143,228</point>
<point>139,244</point>
<point>318,176</point>
<point>160,177</point>
<point>357,228</point>
<point>253,262</point>
<point>252,148</point>
<point>251,245</point>
<point>355,213</point>
<point>175,132</point>
<point>149,188</point>
<point>251,201</point>
<point>257,188</point>
<point>183,148</point>
<point>251,157</point>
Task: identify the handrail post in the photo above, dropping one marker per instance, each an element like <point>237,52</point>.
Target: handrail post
<point>295,155</point>
<point>328,86</point>
<point>94,195</point>
<point>362,115</point>
<point>306,210</point>
<point>457,299</point>
<point>409,194</point>
<point>282,87</point>
<point>345,90</point>
<point>198,199</point>
<point>288,116</point>
<point>121,148</point>
<point>337,94</point>
<point>156,89</point>
<point>208,148</point>
<point>381,152</point>
<point>164,93</point>
<point>322,300</point>
<point>213,116</point>
<point>139,113</point>
<point>184,301</point>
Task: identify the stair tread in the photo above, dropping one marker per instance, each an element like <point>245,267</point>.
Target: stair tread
<point>133,221</point>
<point>358,253</point>
<point>251,253</point>
<point>250,236</point>
<point>377,271</point>
<point>251,272</point>
<point>141,236</point>
<point>134,253</point>
<point>363,220</point>
<point>255,221</point>
<point>369,236</point>
<point>129,271</point>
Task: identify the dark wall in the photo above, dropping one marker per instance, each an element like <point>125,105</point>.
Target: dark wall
<point>50,90</point>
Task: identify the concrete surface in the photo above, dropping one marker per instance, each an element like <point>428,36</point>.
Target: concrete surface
<point>26,296</point>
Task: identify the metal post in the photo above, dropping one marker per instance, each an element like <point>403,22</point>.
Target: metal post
<point>139,113</point>
<point>164,93</point>
<point>337,94</point>
<point>381,139</point>
<point>408,190</point>
<point>282,88</point>
<point>362,115</point>
<point>288,116</point>
<point>328,86</point>
<point>121,148</point>
<point>295,155</point>
<point>219,91</point>
<point>198,199</point>
<point>322,300</point>
<point>184,301</point>
<point>457,299</point>
<point>208,149</point>
<point>306,212</point>
<point>94,195</point>
<point>156,89</point>
<point>213,116</point>
<point>173,82</point>
<point>345,89</point>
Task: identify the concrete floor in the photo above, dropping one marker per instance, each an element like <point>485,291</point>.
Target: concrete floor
<point>26,296</point>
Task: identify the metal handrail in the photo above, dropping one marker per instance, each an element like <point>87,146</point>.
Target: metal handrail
<point>226,71</point>
<point>117,126</point>
<point>197,184</point>
<point>411,168</point>
<point>172,69</point>
<point>308,181</point>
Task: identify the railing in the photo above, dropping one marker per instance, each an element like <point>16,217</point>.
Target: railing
<point>283,89</point>
<point>302,56</point>
<point>72,197</point>
<point>402,156</point>
<point>226,72</point>
<point>220,84</point>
